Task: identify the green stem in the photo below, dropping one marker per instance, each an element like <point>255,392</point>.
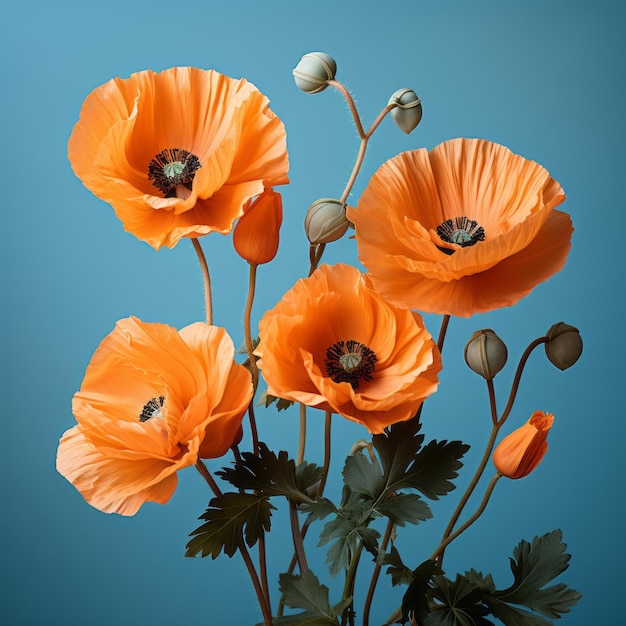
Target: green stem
<point>471,520</point>
<point>327,441</point>
<point>348,588</point>
<point>298,542</point>
<point>263,600</point>
<point>317,251</point>
<point>442,331</point>
<point>247,328</point>
<point>376,574</point>
<point>518,376</point>
<point>477,475</point>
<point>207,280</point>
<point>320,492</point>
<point>302,435</point>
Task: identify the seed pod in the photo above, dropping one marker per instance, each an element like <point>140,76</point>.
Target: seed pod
<point>564,345</point>
<point>408,111</point>
<point>326,221</point>
<point>485,353</point>
<point>314,71</point>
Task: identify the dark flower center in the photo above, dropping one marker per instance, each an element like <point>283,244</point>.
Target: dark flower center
<point>152,408</point>
<point>349,362</point>
<point>461,231</point>
<point>173,167</point>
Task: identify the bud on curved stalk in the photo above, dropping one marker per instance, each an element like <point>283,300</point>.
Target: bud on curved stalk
<point>326,221</point>
<point>408,111</point>
<point>485,353</point>
<point>564,345</point>
<point>314,71</point>
<point>519,453</point>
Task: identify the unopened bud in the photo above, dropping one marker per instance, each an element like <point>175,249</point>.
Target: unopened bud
<point>314,71</point>
<point>564,345</point>
<point>326,221</point>
<point>407,113</point>
<point>485,353</point>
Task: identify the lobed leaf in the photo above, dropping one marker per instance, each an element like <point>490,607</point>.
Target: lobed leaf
<point>306,592</point>
<point>403,508</point>
<point>229,518</point>
<point>267,474</point>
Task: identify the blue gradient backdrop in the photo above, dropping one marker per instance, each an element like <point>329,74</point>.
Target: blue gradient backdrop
<point>544,78</point>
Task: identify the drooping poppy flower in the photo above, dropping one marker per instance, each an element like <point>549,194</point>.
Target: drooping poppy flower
<point>465,228</point>
<point>333,343</point>
<point>519,453</point>
<point>256,234</point>
<point>178,153</point>
<point>153,401</point>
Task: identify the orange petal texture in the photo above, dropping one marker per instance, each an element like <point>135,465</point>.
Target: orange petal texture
<point>226,123</point>
<point>338,304</point>
<point>256,234</point>
<point>153,400</point>
<point>511,198</point>
<point>519,453</point>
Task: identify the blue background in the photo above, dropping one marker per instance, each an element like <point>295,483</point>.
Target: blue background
<point>544,78</point>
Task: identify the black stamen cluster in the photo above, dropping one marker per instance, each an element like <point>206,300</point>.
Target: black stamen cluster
<point>167,184</point>
<point>336,370</point>
<point>151,408</point>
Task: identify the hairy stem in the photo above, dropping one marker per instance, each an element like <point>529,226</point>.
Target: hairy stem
<point>207,280</point>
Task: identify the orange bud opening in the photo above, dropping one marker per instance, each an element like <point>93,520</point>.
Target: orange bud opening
<point>519,453</point>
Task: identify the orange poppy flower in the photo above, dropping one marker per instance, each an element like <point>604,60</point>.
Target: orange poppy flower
<point>465,228</point>
<point>333,343</point>
<point>178,153</point>
<point>153,401</point>
<point>519,453</point>
<point>256,234</point>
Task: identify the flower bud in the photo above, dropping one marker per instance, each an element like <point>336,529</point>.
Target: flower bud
<point>564,345</point>
<point>408,111</point>
<point>519,453</point>
<point>256,234</point>
<point>314,71</point>
<point>485,353</point>
<point>326,221</point>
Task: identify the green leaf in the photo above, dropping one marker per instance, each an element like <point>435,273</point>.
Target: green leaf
<point>399,572</point>
<point>318,509</point>
<point>406,465</point>
<point>403,508</point>
<point>306,592</point>
<point>398,447</point>
<point>458,603</point>
<point>308,475</point>
<point>345,532</point>
<point>266,474</point>
<point>474,595</point>
<point>268,399</point>
<point>416,600</point>
<point>227,518</point>
<point>363,476</point>
<point>535,565</point>
<point>434,467</point>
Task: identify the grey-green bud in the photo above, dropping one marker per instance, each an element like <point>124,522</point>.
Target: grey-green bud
<point>326,221</point>
<point>564,345</point>
<point>407,113</point>
<point>314,71</point>
<point>485,353</point>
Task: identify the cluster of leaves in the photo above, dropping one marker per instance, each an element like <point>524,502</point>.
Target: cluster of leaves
<point>384,482</point>
<point>376,485</point>
<point>236,515</point>
<point>468,600</point>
